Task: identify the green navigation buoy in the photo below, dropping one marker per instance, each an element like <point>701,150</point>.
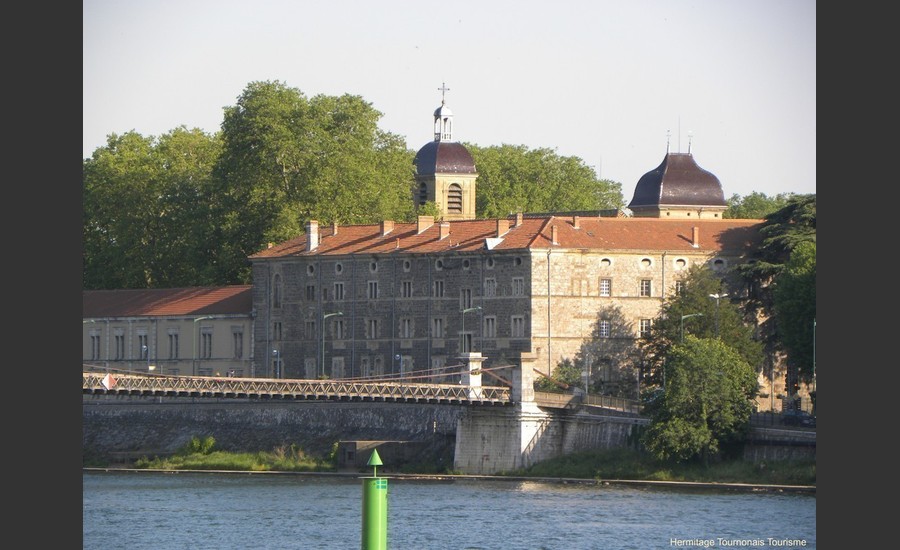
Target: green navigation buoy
<point>374,502</point>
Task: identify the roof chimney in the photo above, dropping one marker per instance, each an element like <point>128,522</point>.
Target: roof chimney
<point>312,235</point>
<point>576,222</point>
<point>386,227</point>
<point>445,230</point>
<point>518,219</point>
<point>334,228</point>
<point>502,227</point>
<point>695,237</point>
<point>553,235</point>
<point>424,223</point>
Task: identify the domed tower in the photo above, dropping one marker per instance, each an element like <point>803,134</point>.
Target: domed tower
<point>445,170</point>
<point>678,188</point>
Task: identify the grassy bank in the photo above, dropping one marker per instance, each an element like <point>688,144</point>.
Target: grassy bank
<point>617,464</point>
<point>629,464</point>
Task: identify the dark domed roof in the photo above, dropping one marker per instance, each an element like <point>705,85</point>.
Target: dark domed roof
<point>442,157</point>
<point>678,181</point>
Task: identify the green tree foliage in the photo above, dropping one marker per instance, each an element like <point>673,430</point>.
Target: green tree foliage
<point>795,307</point>
<point>698,282</point>
<point>147,211</point>
<point>287,159</point>
<point>517,179</point>
<point>565,375</point>
<point>707,402</point>
<point>785,232</point>
<point>755,206</point>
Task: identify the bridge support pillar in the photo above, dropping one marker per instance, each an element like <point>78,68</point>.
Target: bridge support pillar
<point>472,376</point>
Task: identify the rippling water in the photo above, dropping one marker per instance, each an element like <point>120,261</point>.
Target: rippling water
<point>138,511</point>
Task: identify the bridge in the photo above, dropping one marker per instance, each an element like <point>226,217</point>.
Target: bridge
<point>399,390</point>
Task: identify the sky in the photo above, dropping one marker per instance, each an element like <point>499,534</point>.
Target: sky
<point>614,83</point>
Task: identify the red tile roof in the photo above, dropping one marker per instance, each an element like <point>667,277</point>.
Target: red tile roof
<point>236,299</point>
<point>601,233</point>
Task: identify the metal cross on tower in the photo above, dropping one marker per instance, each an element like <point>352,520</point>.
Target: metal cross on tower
<point>443,89</point>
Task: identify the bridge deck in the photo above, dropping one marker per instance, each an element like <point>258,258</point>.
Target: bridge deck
<point>291,389</point>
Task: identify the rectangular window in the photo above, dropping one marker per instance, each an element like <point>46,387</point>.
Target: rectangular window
<point>95,347</point>
<point>490,287</point>
<point>238,337</point>
<point>679,288</point>
<point>311,292</point>
<point>372,329</point>
<point>438,291</point>
<point>406,289</point>
<point>338,291</point>
<point>465,342</point>
<point>373,290</point>
<point>645,288</point>
<point>173,345</point>
<point>309,330</point>
<point>120,346</point>
<point>338,330</point>
<point>490,327</point>
<point>324,294</point>
<point>518,286</point>
<point>604,328</point>
<point>437,327</point>
<point>206,343</point>
<point>645,328</point>
<point>143,346</point>
<point>276,330</point>
<point>406,330</point>
<point>465,298</point>
<point>605,287</point>
<point>518,326</point>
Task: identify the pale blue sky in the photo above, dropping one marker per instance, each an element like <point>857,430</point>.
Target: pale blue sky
<point>597,79</point>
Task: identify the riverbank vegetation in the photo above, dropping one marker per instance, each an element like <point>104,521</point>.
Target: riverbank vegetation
<point>615,464</point>
<point>633,465</point>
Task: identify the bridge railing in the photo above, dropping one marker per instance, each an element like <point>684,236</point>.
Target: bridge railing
<point>344,390</point>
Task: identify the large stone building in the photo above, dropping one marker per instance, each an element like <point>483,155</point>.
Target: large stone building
<point>197,331</point>
<point>413,299</point>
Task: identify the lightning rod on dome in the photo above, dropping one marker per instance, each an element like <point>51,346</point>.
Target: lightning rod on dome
<point>690,137</point>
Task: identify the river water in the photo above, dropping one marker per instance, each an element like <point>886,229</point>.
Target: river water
<point>144,511</point>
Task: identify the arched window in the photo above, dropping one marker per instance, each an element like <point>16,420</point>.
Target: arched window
<point>454,199</point>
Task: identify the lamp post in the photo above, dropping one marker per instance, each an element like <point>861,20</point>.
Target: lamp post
<point>324,318</point>
<point>717,298</point>
<point>195,365</point>
<point>146,349</point>
<point>277,355</point>
<point>688,316</point>
<point>467,310</point>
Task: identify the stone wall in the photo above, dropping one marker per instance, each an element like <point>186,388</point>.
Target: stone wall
<point>128,428</point>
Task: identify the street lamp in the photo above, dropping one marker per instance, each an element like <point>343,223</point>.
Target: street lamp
<point>194,366</point>
<point>717,297</point>
<point>468,310</point>
<point>146,350</point>
<point>277,355</point>
<point>324,317</point>
<point>688,316</point>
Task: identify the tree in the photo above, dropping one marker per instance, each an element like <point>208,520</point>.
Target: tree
<point>565,374</point>
<point>697,283</point>
<point>706,404</point>
<point>755,205</point>
<point>287,159</point>
<point>146,211</point>
<point>517,179</point>
<point>789,239</point>
<point>795,308</point>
